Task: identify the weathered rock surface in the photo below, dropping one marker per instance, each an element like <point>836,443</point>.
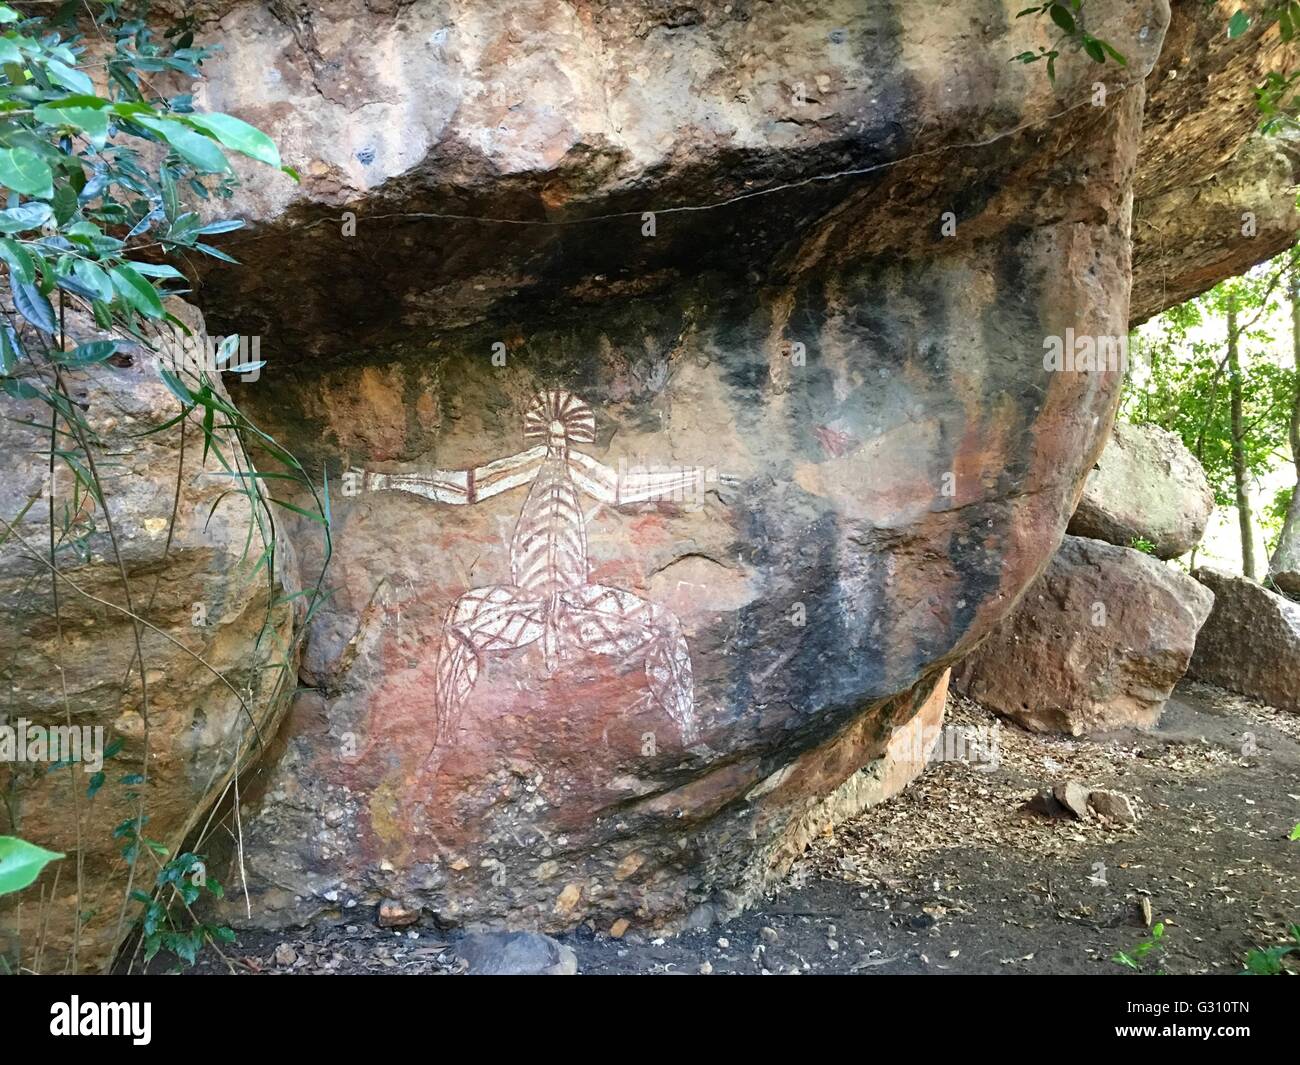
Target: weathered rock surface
<point>78,665</point>
<point>1251,642</point>
<point>723,230</point>
<point>862,457</point>
<point>1148,486</point>
<point>1212,196</point>
<point>1284,566</point>
<point>904,758</point>
<point>515,954</point>
<point>1097,643</point>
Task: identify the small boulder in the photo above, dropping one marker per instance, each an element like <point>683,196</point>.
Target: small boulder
<point>1147,486</point>
<point>1097,643</point>
<point>1251,642</point>
<point>1113,806</point>
<point>1074,798</point>
<point>394,914</point>
<point>516,954</point>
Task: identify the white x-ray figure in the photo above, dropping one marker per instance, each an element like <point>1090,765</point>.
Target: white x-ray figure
<point>550,596</point>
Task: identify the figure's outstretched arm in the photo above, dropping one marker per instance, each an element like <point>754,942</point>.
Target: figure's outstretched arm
<point>463,486</point>
<point>641,485</point>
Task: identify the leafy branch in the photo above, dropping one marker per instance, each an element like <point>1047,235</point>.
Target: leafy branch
<point>1067,17</point>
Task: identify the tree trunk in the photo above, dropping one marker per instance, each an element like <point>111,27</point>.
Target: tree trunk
<point>1238,445</point>
<point>1284,567</point>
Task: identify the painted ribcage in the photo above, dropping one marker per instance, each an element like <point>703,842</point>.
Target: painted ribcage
<point>549,550</point>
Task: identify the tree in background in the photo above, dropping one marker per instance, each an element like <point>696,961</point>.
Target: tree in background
<point>1211,380</point>
<point>1284,566</point>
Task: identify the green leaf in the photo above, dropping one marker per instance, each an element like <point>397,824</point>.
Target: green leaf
<point>1062,17</point>
<point>1238,24</point>
<point>136,291</point>
<point>26,172</point>
<point>1119,57</point>
<point>31,303</point>
<point>18,261</point>
<point>197,150</point>
<point>1295,833</point>
<point>92,121</point>
<point>21,863</point>
<point>88,354</point>
<point>69,77</point>
<point>237,135</point>
<point>177,388</point>
<point>64,203</point>
<point>157,270</point>
<point>24,217</point>
<point>95,278</point>
<point>1094,49</point>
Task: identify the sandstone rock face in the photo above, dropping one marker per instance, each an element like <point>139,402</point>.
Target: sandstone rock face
<point>1251,642</point>
<point>691,450</point>
<point>1212,196</point>
<point>1146,485</point>
<point>904,758</point>
<point>1097,643</point>
<point>202,602</point>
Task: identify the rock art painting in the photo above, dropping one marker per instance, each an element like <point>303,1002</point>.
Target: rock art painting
<point>551,597</point>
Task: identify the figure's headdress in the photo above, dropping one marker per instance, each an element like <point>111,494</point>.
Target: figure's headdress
<point>577,419</point>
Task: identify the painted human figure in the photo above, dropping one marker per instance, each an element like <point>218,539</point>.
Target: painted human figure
<point>550,597</point>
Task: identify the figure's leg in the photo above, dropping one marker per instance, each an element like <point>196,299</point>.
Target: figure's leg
<point>494,618</point>
<point>618,623</point>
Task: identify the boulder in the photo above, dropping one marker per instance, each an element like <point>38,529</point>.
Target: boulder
<point>1097,643</point>
<point>676,477</point>
<point>515,954</point>
<point>1148,486</point>
<point>207,608</point>
<point>1284,566</point>
<point>1251,642</point>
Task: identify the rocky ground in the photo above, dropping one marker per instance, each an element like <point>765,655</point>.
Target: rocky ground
<point>954,877</point>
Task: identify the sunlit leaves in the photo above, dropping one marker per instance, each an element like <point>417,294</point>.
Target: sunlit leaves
<point>21,863</point>
<point>26,172</point>
<point>238,136</point>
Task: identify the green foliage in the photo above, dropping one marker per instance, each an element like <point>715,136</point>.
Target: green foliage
<point>1135,959</point>
<point>1273,961</point>
<point>85,212</point>
<point>1067,16</point>
<point>101,178</point>
<point>1277,97</point>
<point>167,920</point>
<point>1272,516</point>
<point>1185,388</point>
<point>169,923</point>
<point>21,863</point>
<point>1138,543</point>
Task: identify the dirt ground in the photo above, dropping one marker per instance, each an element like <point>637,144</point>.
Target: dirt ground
<point>953,877</point>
